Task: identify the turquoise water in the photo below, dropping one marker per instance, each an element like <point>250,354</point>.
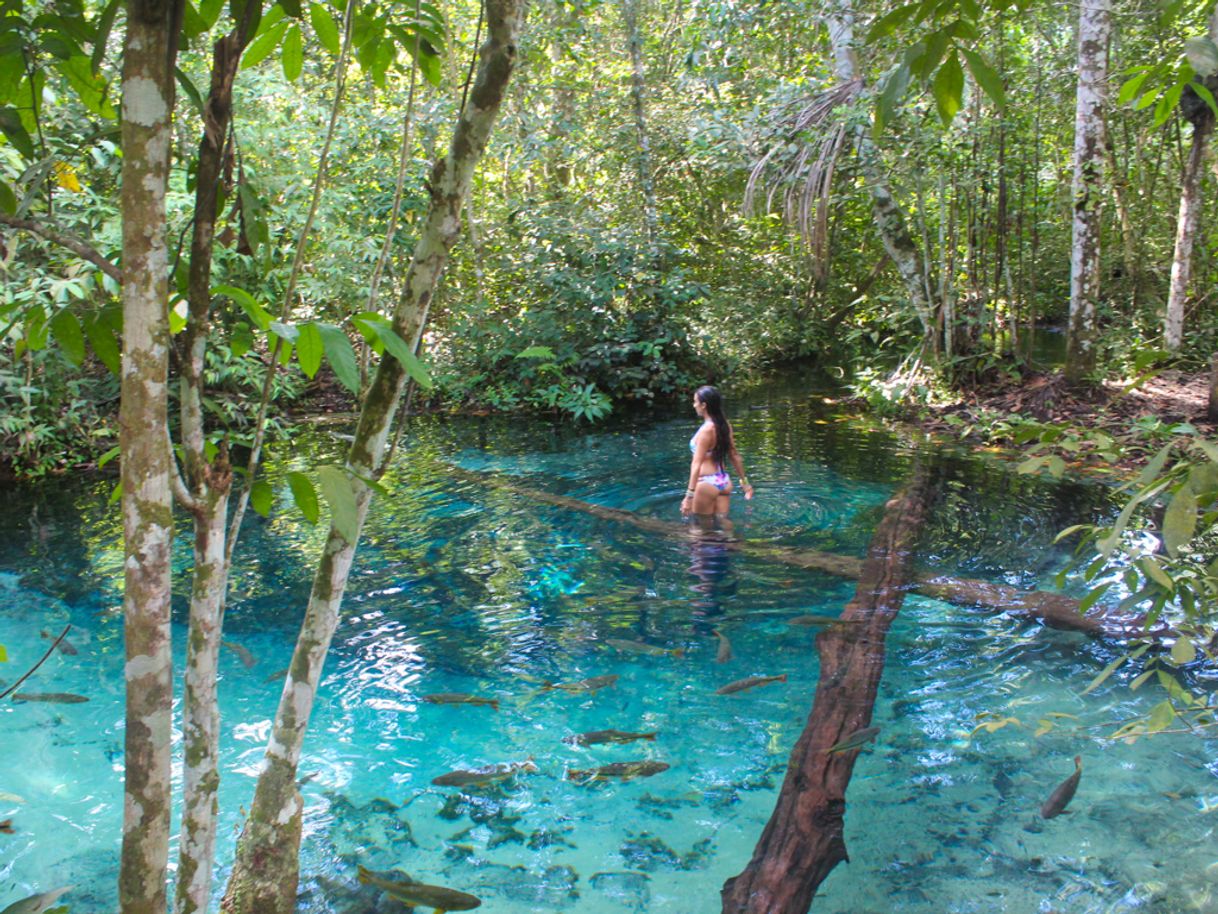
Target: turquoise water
<point>465,588</point>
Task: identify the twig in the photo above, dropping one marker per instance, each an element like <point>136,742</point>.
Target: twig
<point>34,668</point>
<point>72,243</point>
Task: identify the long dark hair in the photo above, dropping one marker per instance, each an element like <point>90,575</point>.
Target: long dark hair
<point>713,401</point>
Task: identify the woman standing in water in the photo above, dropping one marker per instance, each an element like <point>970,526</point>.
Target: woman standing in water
<point>710,487</point>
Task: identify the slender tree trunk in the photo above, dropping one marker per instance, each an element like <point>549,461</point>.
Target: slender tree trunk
<point>149,48</point>
<point>1186,234</point>
<point>889,220</point>
<point>265,872</point>
<point>1095,24</point>
<point>638,92</point>
<point>803,840</point>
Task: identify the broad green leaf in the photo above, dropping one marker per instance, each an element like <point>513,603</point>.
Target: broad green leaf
<point>193,24</point>
<point>400,350</point>
<point>1202,55</point>
<point>325,28</point>
<point>344,514</point>
<point>936,46</point>
<point>248,304</point>
<point>101,33</point>
<point>1183,651</point>
<point>890,22</point>
<point>13,128</point>
<point>263,46</point>
<point>209,10</point>
<point>305,496</point>
<point>105,344</point>
<point>291,7</point>
<point>1131,87</point>
<point>1206,95</point>
<point>341,356</point>
<point>1056,466</point>
<point>1140,680</point>
<point>894,90</point>
<point>1155,572</point>
<point>8,199</point>
<point>192,91</point>
<point>987,78</point>
<point>293,54</point>
<point>948,89</point>
<point>289,333</point>
<point>1090,600</point>
<point>1161,716</point>
<point>179,312</point>
<point>1180,520</point>
<point>108,456</point>
<point>67,332</point>
<point>309,349</point>
<point>262,496</point>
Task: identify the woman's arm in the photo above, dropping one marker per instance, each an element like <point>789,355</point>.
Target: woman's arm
<point>738,464</point>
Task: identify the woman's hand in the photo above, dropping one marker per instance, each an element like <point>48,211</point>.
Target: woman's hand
<point>748,490</point>
<point>687,504</point>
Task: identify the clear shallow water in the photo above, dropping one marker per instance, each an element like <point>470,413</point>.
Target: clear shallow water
<point>465,588</point>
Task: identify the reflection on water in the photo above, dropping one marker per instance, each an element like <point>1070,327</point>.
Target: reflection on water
<point>462,588</point>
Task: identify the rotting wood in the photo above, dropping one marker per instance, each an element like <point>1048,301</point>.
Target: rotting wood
<point>1053,609</point>
<point>803,840</point>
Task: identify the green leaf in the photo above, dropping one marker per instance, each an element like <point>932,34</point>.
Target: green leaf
<point>1155,572</point>
<point>894,90</point>
<point>305,496</point>
<point>309,349</point>
<point>1131,87</point>
<point>11,126</point>
<point>263,46</point>
<point>1183,651</point>
<point>1095,593</point>
<point>209,11</point>
<point>293,54</point>
<point>400,350</point>
<point>1141,680</point>
<point>1206,95</point>
<point>1180,520</point>
<point>104,342</point>
<point>325,28</point>
<point>987,78</point>
<point>108,456</point>
<point>8,199</point>
<point>67,332</point>
<point>289,333</point>
<point>192,91</point>
<point>1202,55</point>
<point>344,513</point>
<point>248,304</point>
<point>262,496</point>
<point>291,7</point>
<point>890,22</point>
<point>1104,674</point>
<point>1161,716</point>
<point>535,352</point>
<point>948,89</point>
<point>340,356</point>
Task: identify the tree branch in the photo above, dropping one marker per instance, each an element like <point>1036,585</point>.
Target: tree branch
<point>64,240</point>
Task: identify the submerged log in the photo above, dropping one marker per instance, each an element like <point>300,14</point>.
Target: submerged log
<point>803,840</point>
<point>1053,609</point>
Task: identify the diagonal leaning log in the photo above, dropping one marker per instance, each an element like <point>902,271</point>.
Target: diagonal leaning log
<point>803,840</point>
<point>1053,609</point>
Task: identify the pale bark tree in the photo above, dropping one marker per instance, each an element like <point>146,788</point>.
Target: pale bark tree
<point>1202,119</point>
<point>638,98</point>
<point>149,49</point>
<point>266,868</point>
<point>1094,28</point>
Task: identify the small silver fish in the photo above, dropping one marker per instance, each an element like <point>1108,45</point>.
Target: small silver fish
<point>460,698</point>
<point>725,647</point>
<point>855,740</point>
<point>597,737</point>
<point>642,647</point>
<point>750,683</point>
<point>583,685</point>
<point>1061,797</point>
<point>627,771</point>
<point>65,646</point>
<point>36,904</point>
<point>61,698</point>
<point>479,777</point>
<point>278,674</point>
<point>247,659</point>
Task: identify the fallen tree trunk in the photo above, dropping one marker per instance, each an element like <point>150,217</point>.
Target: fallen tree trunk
<point>1053,609</point>
<point>803,840</point>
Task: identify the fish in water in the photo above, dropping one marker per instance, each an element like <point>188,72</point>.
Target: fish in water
<point>1061,797</point>
<point>815,619</point>
<point>416,893</point>
<point>36,904</point>
<point>247,659</point>
<point>65,646</point>
<point>278,674</point>
<point>6,827</point>
<point>855,740</point>
<point>725,647</point>
<point>61,698</point>
<point>480,777</point>
<point>627,771</point>
<point>584,685</point>
<point>460,698</point>
<point>642,647</point>
<point>596,737</point>
<point>751,682</point>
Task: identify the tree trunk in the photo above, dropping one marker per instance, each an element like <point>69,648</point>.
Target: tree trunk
<point>1094,27</point>
<point>886,212</point>
<point>638,88</point>
<point>149,49</point>
<point>803,840</point>
<point>264,873</point>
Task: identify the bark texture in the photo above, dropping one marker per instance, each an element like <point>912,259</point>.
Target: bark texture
<point>638,95</point>
<point>1094,29</point>
<point>149,48</point>
<point>264,874</point>
<point>803,840</point>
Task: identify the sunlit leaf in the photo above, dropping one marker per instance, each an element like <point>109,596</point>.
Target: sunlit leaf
<point>340,355</point>
<point>1161,716</point>
<point>1183,651</point>
<point>262,496</point>
<point>1131,87</point>
<point>948,89</point>
<point>309,349</point>
<point>535,352</point>
<point>263,46</point>
<point>293,54</point>
<point>344,514</point>
<point>1140,680</point>
<point>248,304</point>
<point>325,28</point>
<point>305,496</point>
<point>1155,572</point>
<point>400,350</point>
<point>1180,520</point>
